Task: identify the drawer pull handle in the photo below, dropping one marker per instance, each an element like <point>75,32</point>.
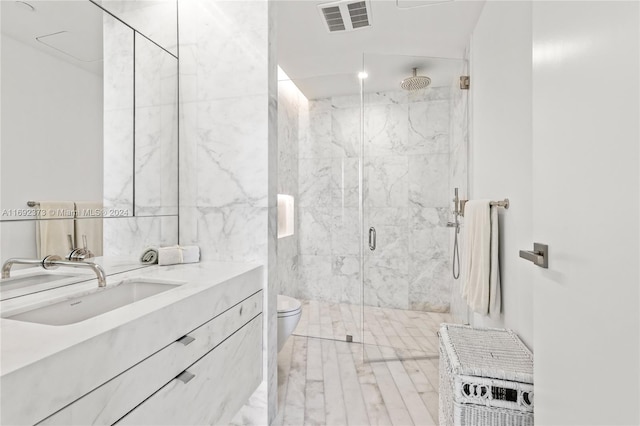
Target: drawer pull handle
<point>185,340</point>
<point>185,377</point>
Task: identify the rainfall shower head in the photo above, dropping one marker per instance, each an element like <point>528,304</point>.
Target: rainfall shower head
<point>415,82</point>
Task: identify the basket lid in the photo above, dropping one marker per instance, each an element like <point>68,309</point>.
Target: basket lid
<point>487,352</point>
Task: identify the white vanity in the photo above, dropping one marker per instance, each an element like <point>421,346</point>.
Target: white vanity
<point>189,354</point>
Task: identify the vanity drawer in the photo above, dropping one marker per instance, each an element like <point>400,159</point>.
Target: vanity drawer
<point>109,402</point>
<point>211,390</point>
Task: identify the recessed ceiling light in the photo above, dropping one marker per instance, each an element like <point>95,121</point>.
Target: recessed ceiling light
<point>25,6</point>
<point>362,75</point>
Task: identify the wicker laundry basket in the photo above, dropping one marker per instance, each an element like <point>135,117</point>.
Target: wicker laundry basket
<point>486,377</point>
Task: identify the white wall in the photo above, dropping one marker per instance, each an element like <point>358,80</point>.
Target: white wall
<point>52,114</point>
<point>586,198</point>
<point>501,150</point>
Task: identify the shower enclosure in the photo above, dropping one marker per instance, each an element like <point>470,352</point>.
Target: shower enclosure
<point>377,165</point>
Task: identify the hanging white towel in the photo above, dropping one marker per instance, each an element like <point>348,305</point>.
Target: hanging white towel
<point>53,230</point>
<point>481,287</point>
<point>495,296</point>
<point>89,224</point>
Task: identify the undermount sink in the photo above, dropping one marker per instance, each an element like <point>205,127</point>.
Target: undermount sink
<point>76,309</point>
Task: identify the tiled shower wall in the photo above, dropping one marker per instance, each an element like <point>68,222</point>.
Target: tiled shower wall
<point>406,198</point>
<point>293,122</point>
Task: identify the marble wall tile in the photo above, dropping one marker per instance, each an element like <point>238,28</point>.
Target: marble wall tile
<point>345,231</point>
<point>315,230</point>
<point>406,193</point>
<point>318,143</point>
<point>428,244</point>
<point>315,277</point>
<point>428,217</point>
<point>390,97</point>
<point>386,129</point>
<point>232,163</point>
<point>118,159</point>
<point>392,247</point>
<point>385,285</point>
<point>322,104</point>
<point>428,131</point>
<point>129,236</point>
<point>345,182</point>
<point>156,160</point>
<point>429,180</point>
<point>377,216</point>
<point>155,19</point>
<point>292,105</point>
<point>222,48</point>
<point>430,94</point>
<point>430,285</point>
<point>346,101</point>
<point>118,119</point>
<point>386,181</point>
<point>315,181</point>
<point>345,271</point>
<point>270,337</point>
<point>345,131</point>
<point>223,232</point>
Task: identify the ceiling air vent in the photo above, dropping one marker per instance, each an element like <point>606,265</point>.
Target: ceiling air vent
<point>346,15</point>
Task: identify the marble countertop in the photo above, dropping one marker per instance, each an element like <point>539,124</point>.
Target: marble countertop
<point>30,351</point>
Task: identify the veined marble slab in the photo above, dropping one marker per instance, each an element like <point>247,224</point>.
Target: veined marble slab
<point>77,358</point>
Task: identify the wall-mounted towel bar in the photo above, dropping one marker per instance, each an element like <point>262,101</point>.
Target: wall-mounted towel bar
<point>504,203</point>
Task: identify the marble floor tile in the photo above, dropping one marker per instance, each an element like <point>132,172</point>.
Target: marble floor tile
<point>390,379</point>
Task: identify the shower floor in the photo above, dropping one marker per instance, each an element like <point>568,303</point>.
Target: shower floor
<point>409,332</point>
<point>323,381</point>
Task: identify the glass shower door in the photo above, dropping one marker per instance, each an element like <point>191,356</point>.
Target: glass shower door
<point>407,177</point>
<point>323,128</point>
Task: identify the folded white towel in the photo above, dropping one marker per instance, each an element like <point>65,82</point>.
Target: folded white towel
<point>178,254</point>
<point>190,254</point>
<point>481,287</point>
<point>149,255</point>
<point>169,255</point>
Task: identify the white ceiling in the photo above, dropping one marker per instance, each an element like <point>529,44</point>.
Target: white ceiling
<point>69,30</point>
<point>413,33</point>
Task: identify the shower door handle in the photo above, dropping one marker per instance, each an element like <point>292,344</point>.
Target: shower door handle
<point>372,238</point>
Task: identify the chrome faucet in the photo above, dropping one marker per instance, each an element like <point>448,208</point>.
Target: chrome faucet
<point>77,254</point>
<point>456,212</point>
<point>52,262</point>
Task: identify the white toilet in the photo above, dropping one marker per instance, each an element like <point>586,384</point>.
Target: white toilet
<point>289,311</point>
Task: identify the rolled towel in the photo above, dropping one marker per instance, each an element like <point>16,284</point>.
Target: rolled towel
<point>170,255</point>
<point>190,254</point>
<point>149,255</point>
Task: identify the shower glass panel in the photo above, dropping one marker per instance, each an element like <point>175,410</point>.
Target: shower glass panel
<point>413,146</point>
<point>319,164</point>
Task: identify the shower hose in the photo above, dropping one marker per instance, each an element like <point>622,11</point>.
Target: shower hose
<point>456,256</point>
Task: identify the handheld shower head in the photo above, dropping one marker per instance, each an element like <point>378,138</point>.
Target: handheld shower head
<point>415,82</point>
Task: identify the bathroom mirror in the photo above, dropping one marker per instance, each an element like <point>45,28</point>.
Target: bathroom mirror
<point>89,113</point>
<point>156,19</point>
<point>89,116</point>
